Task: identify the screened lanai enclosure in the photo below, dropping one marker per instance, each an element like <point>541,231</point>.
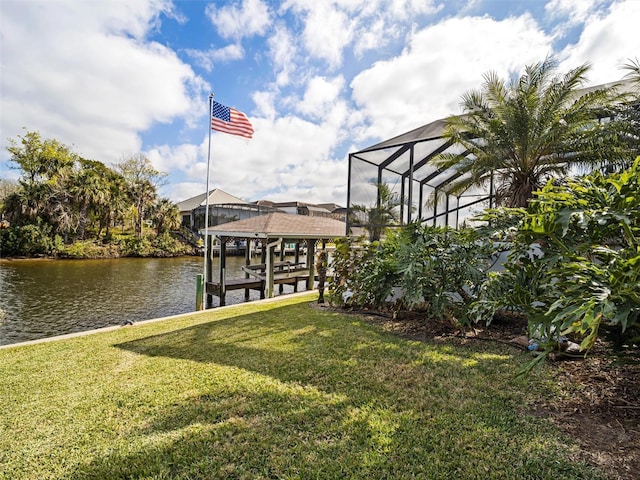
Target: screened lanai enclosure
<point>404,164</point>
<point>405,167</point>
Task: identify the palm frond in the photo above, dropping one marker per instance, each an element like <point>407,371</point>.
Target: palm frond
<point>528,130</point>
<point>634,69</point>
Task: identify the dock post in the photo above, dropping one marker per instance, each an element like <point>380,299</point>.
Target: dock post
<point>311,253</point>
<point>296,261</point>
<point>282,245</point>
<point>199,291</point>
<point>322,272</point>
<point>247,262</point>
<point>222,262</point>
<point>209,276</point>
<point>263,259</point>
<point>297,252</point>
<point>269,269</point>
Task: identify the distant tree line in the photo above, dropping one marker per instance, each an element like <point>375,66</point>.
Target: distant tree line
<point>63,199</point>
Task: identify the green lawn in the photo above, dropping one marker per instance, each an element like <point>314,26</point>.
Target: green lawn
<point>273,390</point>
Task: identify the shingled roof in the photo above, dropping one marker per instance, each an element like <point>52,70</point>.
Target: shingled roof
<point>281,225</point>
<point>216,197</point>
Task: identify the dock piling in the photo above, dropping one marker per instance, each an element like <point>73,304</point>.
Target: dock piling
<point>199,291</point>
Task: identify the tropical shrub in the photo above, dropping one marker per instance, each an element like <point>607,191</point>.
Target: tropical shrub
<point>441,269</point>
<point>149,246</point>
<point>574,268</point>
<point>435,270</point>
<point>8,241</point>
<point>29,240</point>
<point>364,273</point>
<point>90,249</point>
<point>153,246</point>
<point>166,245</point>
<point>137,247</point>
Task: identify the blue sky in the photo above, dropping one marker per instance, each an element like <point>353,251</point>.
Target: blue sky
<point>317,78</point>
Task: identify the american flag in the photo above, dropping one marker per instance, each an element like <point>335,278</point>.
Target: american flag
<point>229,120</point>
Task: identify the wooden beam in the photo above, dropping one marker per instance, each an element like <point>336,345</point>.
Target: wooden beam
<point>282,247</point>
<point>247,262</point>
<point>311,244</point>
<point>222,262</point>
<point>269,269</point>
<point>209,269</point>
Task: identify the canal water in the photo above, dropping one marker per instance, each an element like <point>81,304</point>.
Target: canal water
<point>44,298</point>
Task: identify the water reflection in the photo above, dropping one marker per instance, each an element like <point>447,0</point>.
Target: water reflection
<point>42,298</point>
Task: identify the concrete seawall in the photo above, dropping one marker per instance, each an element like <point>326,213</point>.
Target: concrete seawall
<point>56,338</point>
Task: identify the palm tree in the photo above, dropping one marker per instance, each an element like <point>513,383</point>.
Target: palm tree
<point>165,215</point>
<point>628,115</point>
<point>115,202</point>
<point>380,216</point>
<point>89,190</point>
<point>527,131</point>
<point>45,166</point>
<point>633,68</point>
<point>142,181</point>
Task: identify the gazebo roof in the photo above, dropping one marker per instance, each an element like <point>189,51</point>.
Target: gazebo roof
<point>216,197</point>
<point>281,225</point>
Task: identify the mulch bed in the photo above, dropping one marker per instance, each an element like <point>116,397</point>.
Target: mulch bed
<point>599,401</point>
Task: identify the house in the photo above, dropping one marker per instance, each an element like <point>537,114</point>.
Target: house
<point>326,210</point>
<point>223,208</point>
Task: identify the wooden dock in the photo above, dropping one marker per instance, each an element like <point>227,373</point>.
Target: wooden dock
<point>268,233</point>
<point>286,273</point>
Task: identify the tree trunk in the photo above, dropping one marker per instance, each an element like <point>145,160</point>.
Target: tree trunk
<point>82,223</point>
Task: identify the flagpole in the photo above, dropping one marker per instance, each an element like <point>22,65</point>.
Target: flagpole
<point>206,212</point>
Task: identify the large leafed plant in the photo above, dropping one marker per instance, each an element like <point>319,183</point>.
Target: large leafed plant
<point>574,268</point>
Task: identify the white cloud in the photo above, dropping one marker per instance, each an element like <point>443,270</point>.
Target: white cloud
<point>406,9</point>
<point>265,104</point>
<point>575,11</point>
<point>238,21</point>
<point>181,157</point>
<point>206,59</point>
<point>184,190</point>
<point>572,14</point>
<point>470,6</point>
<point>330,27</point>
<point>327,29</point>
<point>426,81</point>
<point>282,50</point>
<point>288,159</point>
<point>92,81</point>
<point>320,95</point>
<point>607,42</point>
<point>283,153</point>
<point>374,35</point>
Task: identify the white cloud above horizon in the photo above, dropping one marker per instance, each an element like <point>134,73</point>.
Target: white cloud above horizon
<point>68,81</point>
<point>317,79</point>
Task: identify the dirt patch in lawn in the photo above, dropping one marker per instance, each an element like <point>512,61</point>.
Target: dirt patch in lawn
<point>598,403</point>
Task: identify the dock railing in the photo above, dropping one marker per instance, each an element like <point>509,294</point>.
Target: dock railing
<point>280,269</point>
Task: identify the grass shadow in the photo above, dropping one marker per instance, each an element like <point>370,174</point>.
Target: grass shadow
<point>294,392</point>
